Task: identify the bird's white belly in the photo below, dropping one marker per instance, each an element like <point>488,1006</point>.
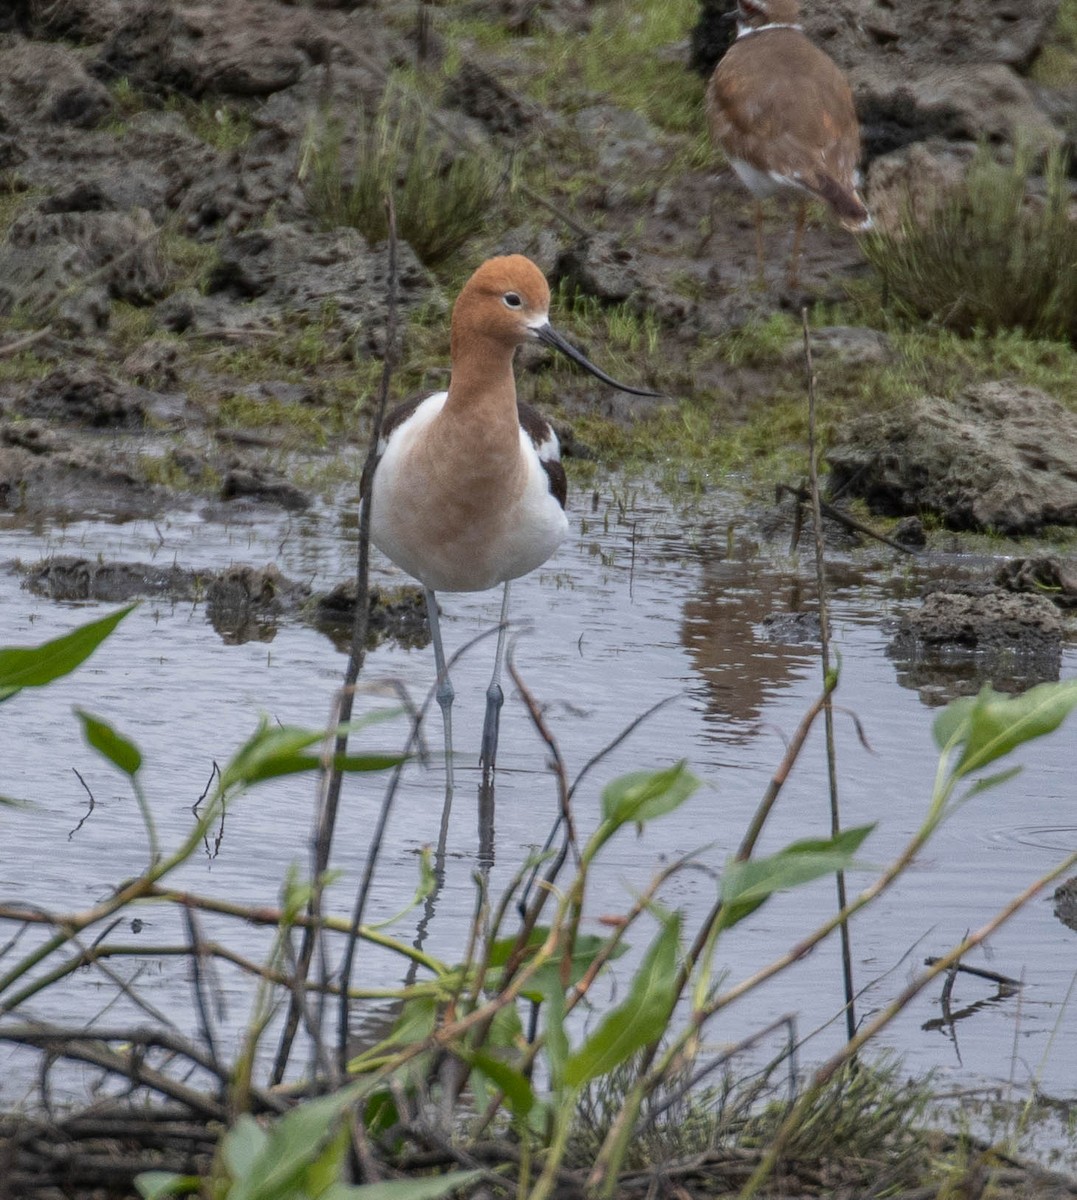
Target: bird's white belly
<point>412,519</point>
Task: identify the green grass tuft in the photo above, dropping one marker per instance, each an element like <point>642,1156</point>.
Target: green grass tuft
<point>990,257</point>
<point>443,195</point>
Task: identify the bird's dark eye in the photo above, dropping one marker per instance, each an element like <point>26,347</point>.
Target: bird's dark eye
<point>512,300</point>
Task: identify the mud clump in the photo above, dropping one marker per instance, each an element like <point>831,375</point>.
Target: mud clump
<point>995,457</point>
<point>966,635</point>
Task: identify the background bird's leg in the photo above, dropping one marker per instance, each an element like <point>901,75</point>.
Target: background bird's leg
<point>798,238</point>
<point>760,257</point>
<point>444,693</point>
<point>494,695</point>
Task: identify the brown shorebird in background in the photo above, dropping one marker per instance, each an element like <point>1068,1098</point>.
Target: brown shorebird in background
<point>783,113</point>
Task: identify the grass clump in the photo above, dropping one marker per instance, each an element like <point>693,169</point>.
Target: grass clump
<point>990,257</point>
<point>444,195</point>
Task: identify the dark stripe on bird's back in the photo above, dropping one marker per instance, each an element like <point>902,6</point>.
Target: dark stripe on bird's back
<point>393,420</point>
<point>544,439</point>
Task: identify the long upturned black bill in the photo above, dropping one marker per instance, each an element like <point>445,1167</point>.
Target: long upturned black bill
<point>549,335</point>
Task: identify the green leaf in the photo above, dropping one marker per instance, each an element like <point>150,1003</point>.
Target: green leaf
<point>991,724</point>
<point>644,795</point>
<point>516,1086</point>
<point>114,746</point>
<point>35,666</point>
<point>292,1145</point>
<point>746,885</point>
<point>243,1144</point>
<point>640,1019</point>
<point>423,1188</point>
<point>273,751</point>
<point>557,1047</point>
<point>155,1185</point>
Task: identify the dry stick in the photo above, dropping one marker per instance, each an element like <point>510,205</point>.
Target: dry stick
<point>199,961</point>
<point>803,496</point>
<point>828,711</point>
<point>357,651</point>
<point>93,1048</point>
<point>848,1053</point>
<point>24,342</point>
<point>334,777</point>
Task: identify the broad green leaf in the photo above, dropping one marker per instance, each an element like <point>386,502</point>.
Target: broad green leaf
<point>34,666</point>
<point>120,751</point>
<point>272,751</point>
<point>242,1145</point>
<point>516,1086</point>
<point>293,1143</point>
<point>746,885</point>
<point>327,1169</point>
<point>155,1185</point>
<point>642,1016</point>
<point>644,795</point>
<point>990,724</point>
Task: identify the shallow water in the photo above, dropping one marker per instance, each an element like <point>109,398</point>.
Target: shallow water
<point>643,601</point>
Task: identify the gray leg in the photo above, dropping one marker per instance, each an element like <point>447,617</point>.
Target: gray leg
<point>444,692</point>
<point>494,695</point>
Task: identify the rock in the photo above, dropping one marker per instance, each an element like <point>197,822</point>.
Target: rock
<point>75,20</point>
<point>296,271</point>
<point>712,34</point>
<point>154,362</point>
<point>85,312</point>
<point>909,532</point>
<point>911,183</point>
<point>395,613</point>
<point>84,396</point>
<point>49,258</point>
<point>1065,899</point>
<point>40,82</point>
<point>604,267</point>
<point>966,103</point>
<point>74,482</point>
<point>850,345</point>
<point>619,137</point>
<point>965,636</point>
<point>481,96</point>
<point>246,603</point>
<point>35,436</point>
<point>790,628</point>
<point>877,32</point>
<point>1043,576</point>
<point>995,457</point>
<point>245,48</point>
<point>258,484</point>
<point>64,577</point>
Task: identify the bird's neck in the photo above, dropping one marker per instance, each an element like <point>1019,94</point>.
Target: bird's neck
<point>482,388</point>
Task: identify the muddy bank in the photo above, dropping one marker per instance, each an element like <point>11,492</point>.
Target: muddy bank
<point>170,270</point>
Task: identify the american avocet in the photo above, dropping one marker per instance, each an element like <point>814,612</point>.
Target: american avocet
<point>783,113</point>
<point>468,490</point>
